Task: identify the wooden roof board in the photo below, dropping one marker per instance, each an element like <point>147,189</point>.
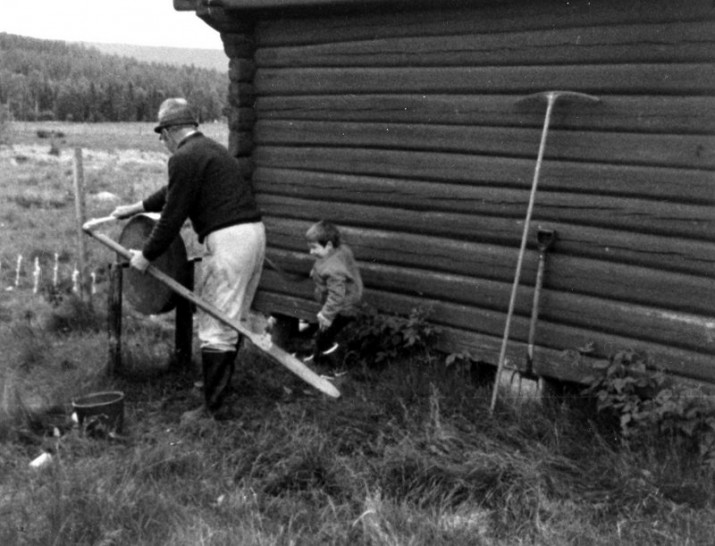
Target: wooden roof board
<point>237,5</point>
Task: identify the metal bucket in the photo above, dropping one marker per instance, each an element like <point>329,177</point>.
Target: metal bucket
<point>145,293</point>
<point>100,411</point>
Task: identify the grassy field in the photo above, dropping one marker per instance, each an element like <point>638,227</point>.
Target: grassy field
<point>409,455</point>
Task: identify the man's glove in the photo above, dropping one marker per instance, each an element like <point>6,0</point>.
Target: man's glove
<point>138,260</point>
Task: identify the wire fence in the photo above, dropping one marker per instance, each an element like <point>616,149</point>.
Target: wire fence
<point>39,277</point>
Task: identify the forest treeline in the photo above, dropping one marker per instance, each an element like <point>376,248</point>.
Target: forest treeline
<point>53,80</point>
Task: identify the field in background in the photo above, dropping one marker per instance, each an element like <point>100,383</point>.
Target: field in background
<point>122,162</point>
<point>408,454</point>
<point>102,136</point>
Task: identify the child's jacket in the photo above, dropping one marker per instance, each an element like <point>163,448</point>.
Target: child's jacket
<point>338,285</point>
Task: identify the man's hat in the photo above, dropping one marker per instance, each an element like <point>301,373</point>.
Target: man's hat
<point>174,112</point>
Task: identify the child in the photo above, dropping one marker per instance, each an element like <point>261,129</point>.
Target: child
<point>338,286</point>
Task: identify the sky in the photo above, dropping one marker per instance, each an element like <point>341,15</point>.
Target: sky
<point>138,22</point>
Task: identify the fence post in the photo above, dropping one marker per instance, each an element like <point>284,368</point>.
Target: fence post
<point>18,270</point>
<point>114,318</point>
<point>80,215</point>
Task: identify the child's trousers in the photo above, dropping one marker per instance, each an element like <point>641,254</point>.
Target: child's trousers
<point>325,339</point>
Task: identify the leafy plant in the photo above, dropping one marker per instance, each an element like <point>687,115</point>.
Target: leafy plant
<point>687,415</point>
<point>624,388</point>
<point>461,358</point>
<point>380,338</point>
<point>646,404</point>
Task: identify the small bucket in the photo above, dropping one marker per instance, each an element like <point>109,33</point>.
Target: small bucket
<point>100,411</point>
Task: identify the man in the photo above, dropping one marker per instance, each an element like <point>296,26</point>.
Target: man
<point>205,186</point>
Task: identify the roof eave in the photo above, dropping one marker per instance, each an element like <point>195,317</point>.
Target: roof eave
<point>233,5</point>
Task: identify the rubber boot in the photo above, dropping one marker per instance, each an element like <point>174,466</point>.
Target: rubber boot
<point>218,369</point>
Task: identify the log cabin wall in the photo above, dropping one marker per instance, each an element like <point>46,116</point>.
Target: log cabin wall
<point>405,127</point>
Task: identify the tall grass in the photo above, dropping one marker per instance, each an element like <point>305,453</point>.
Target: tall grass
<point>397,462</point>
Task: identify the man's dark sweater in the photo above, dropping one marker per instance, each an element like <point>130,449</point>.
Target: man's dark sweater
<point>205,185</point>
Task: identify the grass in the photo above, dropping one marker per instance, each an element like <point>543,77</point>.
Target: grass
<point>132,136</point>
<point>409,455</point>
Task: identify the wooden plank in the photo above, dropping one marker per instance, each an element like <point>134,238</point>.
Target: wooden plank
<point>648,79</point>
<point>483,17</point>
<point>553,336</point>
<point>689,151</point>
<point>645,113</point>
<point>477,259</point>
<point>686,331</point>
<point>486,348</point>
<point>639,43</point>
<point>466,257</point>
<point>567,365</point>
<point>676,185</point>
<point>629,214</point>
<point>238,5</point>
<point>678,292</point>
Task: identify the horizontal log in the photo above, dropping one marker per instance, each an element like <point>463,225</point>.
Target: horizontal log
<point>240,143</point>
<point>485,348</point>
<point>238,43</point>
<point>645,113</point>
<point>636,322</point>
<point>689,151</point>
<point>240,5</point>
<point>485,17</point>
<point>637,215</point>
<point>683,330</point>
<point>551,336</point>
<point>481,346</point>
<point>241,70</point>
<point>678,79</point>
<point>394,246</point>
<point>241,119</point>
<point>566,365</point>
<point>674,291</point>
<point>245,164</point>
<point>676,185</point>
<point>241,94</point>
<point>636,43</point>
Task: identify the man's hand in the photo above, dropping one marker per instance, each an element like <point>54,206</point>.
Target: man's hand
<point>323,323</point>
<point>127,211</point>
<point>138,261</point>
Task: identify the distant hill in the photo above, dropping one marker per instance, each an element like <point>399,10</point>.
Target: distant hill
<point>48,80</point>
<point>212,59</point>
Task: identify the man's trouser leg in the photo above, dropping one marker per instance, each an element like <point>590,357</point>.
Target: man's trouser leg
<point>231,269</point>
<point>230,273</point>
<point>218,369</point>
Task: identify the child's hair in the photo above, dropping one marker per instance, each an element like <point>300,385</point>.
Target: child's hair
<point>323,233</point>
